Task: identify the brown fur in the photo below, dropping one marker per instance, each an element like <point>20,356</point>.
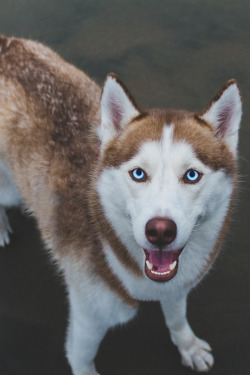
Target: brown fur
<point>46,108</point>
<point>220,239</point>
<point>148,127</point>
<point>221,235</point>
<point>49,111</point>
<point>209,149</point>
<point>199,134</point>
<point>55,117</point>
<point>103,227</point>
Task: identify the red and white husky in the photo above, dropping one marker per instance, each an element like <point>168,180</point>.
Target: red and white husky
<point>133,204</point>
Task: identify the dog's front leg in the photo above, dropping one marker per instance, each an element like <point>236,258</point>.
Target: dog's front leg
<point>93,310</point>
<point>195,353</point>
<point>88,323</point>
<point>83,339</point>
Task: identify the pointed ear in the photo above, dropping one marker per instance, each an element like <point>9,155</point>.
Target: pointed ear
<point>224,114</point>
<point>118,108</point>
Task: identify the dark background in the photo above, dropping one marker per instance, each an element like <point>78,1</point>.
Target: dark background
<point>174,53</point>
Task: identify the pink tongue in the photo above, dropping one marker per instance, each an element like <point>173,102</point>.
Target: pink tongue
<point>161,259</point>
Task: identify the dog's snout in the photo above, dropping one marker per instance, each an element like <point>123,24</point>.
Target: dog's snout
<point>161,231</point>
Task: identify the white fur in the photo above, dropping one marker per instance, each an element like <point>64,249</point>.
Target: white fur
<point>9,196</point>
<point>195,352</point>
<point>93,310</point>
<point>128,206</point>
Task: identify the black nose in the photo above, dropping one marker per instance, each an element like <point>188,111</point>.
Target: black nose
<point>161,231</point>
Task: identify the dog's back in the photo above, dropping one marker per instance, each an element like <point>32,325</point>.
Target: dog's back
<point>47,105</point>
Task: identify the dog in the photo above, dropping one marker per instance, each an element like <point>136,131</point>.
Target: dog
<point>132,204</point>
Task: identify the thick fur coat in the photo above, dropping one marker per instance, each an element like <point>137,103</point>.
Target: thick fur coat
<point>132,204</point>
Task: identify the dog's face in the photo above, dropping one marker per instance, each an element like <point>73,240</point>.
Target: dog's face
<point>167,178</point>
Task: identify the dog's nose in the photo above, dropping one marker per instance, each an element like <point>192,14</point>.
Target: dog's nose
<point>161,231</point>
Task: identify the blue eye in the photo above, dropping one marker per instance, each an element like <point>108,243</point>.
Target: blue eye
<point>192,176</point>
<point>138,175</point>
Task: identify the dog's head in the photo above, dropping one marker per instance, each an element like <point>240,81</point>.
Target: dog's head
<point>166,179</point>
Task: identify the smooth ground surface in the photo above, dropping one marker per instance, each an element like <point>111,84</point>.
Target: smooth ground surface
<point>174,53</point>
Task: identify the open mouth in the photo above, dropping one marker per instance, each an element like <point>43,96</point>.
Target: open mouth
<point>161,265</point>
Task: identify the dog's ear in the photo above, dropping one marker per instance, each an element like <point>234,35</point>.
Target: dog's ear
<point>118,108</point>
<point>224,114</point>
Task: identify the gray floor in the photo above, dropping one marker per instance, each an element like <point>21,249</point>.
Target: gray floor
<point>174,53</point>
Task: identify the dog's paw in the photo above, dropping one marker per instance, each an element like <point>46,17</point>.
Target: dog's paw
<point>197,355</point>
<point>84,371</point>
<point>5,228</point>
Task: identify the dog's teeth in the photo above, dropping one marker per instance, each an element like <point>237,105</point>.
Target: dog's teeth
<point>160,273</point>
<point>149,265</point>
<point>156,273</point>
<point>173,265</point>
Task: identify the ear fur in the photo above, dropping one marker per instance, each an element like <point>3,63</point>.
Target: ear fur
<point>224,114</point>
<point>118,108</point>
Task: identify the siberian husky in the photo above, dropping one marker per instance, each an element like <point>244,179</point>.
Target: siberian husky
<point>133,204</point>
